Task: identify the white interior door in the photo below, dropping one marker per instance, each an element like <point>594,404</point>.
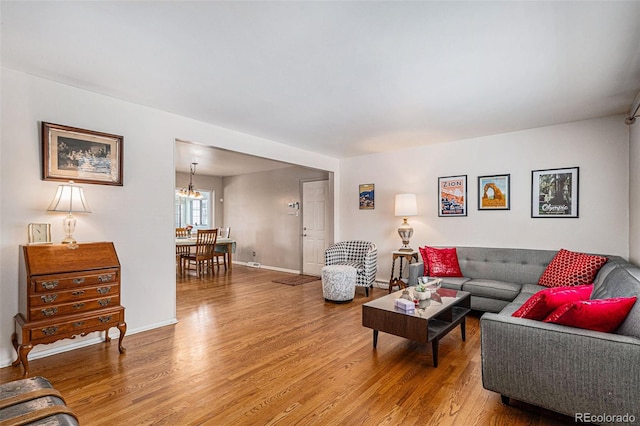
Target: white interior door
<point>315,226</point>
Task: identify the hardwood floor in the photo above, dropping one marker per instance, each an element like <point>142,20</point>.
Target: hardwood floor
<point>247,351</point>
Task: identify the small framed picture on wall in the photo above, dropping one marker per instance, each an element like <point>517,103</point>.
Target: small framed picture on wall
<point>554,193</point>
<point>452,196</point>
<point>367,196</point>
<point>494,192</point>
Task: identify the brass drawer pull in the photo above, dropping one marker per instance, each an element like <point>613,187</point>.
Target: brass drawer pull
<point>50,331</point>
<point>105,278</point>
<point>104,290</point>
<point>104,302</point>
<point>48,298</point>
<point>105,319</point>
<point>78,305</point>
<point>49,285</point>
<point>78,293</point>
<point>78,280</point>
<point>78,324</point>
<point>49,311</point>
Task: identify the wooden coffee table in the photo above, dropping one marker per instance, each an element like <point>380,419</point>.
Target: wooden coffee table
<point>431,321</point>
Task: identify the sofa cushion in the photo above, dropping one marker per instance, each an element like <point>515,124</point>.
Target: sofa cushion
<point>543,303</point>
<point>531,289</point>
<point>492,289</point>
<point>486,304</point>
<point>599,314</point>
<point>571,268</point>
<point>442,262</point>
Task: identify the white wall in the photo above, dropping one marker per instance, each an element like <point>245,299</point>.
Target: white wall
<point>634,193</point>
<point>600,147</point>
<point>256,208</point>
<point>137,217</point>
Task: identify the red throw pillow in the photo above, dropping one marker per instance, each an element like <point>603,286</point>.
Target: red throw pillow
<point>443,262</point>
<point>570,268</point>
<point>544,302</point>
<point>597,314</point>
<point>425,260</point>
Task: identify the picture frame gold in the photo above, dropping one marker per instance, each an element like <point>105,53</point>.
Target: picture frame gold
<point>367,199</point>
<point>39,233</point>
<point>80,155</point>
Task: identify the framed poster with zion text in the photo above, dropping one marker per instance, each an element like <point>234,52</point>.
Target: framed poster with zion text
<point>69,153</point>
<point>494,192</point>
<point>452,196</point>
<point>554,193</point>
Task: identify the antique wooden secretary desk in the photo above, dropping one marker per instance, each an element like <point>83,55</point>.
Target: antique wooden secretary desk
<point>66,290</point>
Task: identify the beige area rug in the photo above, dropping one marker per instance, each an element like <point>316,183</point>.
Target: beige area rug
<point>296,279</point>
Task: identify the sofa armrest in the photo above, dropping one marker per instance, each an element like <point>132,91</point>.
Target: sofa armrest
<point>564,369</point>
<point>415,270</point>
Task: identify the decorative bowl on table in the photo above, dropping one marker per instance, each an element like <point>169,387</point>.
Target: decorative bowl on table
<point>422,291</point>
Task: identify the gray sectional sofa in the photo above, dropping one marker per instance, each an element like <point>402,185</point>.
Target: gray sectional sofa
<point>580,373</point>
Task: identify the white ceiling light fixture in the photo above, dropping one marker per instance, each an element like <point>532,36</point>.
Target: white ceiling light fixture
<point>189,192</point>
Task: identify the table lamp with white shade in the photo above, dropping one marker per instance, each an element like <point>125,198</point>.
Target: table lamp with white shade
<point>69,199</point>
<point>406,205</point>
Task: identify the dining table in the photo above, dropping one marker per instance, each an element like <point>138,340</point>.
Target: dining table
<point>223,245</point>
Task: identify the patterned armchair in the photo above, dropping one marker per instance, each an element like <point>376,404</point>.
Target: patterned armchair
<point>362,255</point>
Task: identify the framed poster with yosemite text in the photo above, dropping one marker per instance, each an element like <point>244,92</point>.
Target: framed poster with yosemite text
<point>554,193</point>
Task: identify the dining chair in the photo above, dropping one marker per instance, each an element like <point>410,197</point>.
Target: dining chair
<point>180,250</point>
<point>223,232</point>
<point>181,233</point>
<point>203,255</point>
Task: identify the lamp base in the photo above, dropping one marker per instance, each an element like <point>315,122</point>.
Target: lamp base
<point>406,232</point>
<point>69,240</point>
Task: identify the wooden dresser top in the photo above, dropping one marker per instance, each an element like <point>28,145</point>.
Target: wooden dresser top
<point>59,258</point>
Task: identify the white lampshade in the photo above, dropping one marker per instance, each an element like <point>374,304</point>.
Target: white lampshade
<point>406,205</point>
<point>69,199</point>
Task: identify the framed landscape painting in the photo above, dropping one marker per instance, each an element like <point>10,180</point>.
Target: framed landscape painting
<point>452,196</point>
<point>494,192</point>
<point>367,196</point>
<point>554,193</point>
<point>80,155</point>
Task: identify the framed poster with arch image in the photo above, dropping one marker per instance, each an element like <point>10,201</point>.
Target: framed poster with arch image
<point>494,192</point>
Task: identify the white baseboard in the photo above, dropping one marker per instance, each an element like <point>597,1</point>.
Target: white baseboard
<point>271,268</point>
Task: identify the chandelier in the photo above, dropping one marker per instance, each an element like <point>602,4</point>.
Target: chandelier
<point>189,192</point>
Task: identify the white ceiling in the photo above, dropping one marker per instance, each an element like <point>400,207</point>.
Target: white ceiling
<point>220,162</point>
<point>341,78</point>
